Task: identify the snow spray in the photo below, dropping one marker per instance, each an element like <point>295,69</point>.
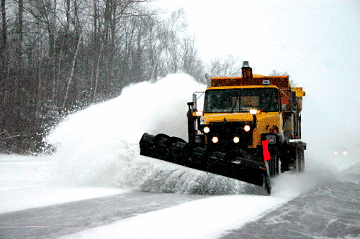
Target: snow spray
<point>99,146</point>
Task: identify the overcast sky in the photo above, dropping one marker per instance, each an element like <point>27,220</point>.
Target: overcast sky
<point>316,42</point>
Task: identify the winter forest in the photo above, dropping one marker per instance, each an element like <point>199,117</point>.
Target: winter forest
<point>59,56</point>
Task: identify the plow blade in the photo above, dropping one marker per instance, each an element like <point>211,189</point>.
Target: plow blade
<point>177,151</point>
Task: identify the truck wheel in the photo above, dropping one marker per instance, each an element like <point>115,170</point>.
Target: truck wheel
<point>274,162</point>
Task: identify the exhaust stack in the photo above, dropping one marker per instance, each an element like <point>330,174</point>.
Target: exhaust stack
<point>246,71</point>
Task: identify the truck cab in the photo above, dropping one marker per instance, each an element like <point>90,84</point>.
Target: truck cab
<point>235,117</point>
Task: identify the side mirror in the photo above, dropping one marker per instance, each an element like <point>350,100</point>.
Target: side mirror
<point>208,80</point>
<point>194,100</point>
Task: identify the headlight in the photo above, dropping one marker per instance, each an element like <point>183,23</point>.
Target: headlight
<point>236,139</point>
<point>206,130</point>
<point>271,138</point>
<point>247,128</point>
<point>215,139</point>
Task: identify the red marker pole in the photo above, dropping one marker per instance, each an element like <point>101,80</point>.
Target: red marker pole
<point>266,154</point>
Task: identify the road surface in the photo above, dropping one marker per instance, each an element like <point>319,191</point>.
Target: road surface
<point>331,211</point>
<point>59,220</point>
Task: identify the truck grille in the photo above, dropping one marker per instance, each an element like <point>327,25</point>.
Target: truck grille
<point>226,132</point>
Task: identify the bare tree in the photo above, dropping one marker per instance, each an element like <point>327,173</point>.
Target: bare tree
<point>279,73</point>
<point>3,49</point>
<point>18,97</point>
<point>59,55</point>
<point>4,87</point>
<point>225,67</point>
<point>70,78</point>
<point>191,62</point>
<point>177,26</point>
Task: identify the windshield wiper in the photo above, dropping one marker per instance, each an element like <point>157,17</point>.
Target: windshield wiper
<point>234,105</point>
<point>238,99</point>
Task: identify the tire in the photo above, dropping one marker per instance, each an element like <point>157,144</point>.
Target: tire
<point>274,162</point>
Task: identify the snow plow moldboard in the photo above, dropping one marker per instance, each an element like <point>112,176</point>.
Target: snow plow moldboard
<point>177,151</point>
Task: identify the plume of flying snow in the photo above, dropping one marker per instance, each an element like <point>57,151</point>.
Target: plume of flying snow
<point>100,145</point>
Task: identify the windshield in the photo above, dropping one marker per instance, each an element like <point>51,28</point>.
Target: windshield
<point>241,100</point>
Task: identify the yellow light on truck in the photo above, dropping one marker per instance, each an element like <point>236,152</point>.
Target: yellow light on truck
<point>215,139</point>
<point>236,139</point>
<point>247,128</point>
<point>197,113</point>
<point>206,130</point>
<point>255,111</point>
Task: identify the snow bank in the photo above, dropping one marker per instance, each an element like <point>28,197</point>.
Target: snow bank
<point>25,198</point>
<point>27,182</point>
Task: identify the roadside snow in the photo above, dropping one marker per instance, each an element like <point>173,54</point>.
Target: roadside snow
<point>26,182</point>
<point>20,199</point>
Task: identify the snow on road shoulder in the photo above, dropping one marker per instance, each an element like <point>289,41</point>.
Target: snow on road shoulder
<point>26,182</point>
<point>205,218</point>
<point>20,199</point>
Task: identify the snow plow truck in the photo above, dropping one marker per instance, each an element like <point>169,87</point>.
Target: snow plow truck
<point>249,130</point>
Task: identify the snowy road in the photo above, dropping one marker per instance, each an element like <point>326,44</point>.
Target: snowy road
<point>326,212</point>
<point>59,220</point>
<point>299,207</point>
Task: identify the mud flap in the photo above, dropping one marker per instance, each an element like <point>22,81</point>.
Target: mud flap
<point>176,150</point>
<point>267,181</point>
<point>297,156</point>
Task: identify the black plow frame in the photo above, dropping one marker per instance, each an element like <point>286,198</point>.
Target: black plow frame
<point>177,151</point>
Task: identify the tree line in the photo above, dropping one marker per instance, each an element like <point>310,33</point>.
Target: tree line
<point>58,56</point>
